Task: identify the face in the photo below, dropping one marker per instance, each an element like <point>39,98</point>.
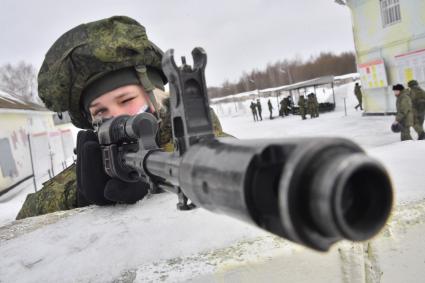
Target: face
<point>126,100</point>
<point>397,92</point>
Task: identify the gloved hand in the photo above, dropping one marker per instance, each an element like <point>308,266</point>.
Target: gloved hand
<point>94,185</point>
<point>396,127</point>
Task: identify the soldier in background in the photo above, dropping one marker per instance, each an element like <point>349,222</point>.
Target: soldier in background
<point>417,95</point>
<point>269,103</point>
<point>253,107</point>
<point>404,118</point>
<point>281,109</point>
<point>286,106</point>
<point>358,94</point>
<point>312,108</point>
<point>302,106</point>
<point>259,108</point>
<point>316,105</point>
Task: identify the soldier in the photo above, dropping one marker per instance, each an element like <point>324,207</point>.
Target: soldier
<point>253,107</point>
<point>315,105</point>
<point>260,109</point>
<point>286,104</point>
<point>311,105</point>
<point>269,103</point>
<point>282,107</point>
<point>404,117</point>
<point>358,94</point>
<point>96,70</point>
<point>417,94</point>
<point>302,106</point>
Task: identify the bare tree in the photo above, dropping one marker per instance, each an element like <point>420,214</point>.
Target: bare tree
<point>19,80</point>
<point>289,71</point>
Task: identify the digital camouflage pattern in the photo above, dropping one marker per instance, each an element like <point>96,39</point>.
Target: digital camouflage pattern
<point>60,193</point>
<point>89,51</point>
<point>302,106</point>
<point>417,95</point>
<point>404,114</point>
<point>312,105</point>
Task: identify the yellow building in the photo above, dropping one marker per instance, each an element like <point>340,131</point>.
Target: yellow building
<point>389,37</point>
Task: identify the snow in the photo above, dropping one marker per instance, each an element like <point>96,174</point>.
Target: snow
<point>11,202</point>
<point>353,76</point>
<point>151,241</point>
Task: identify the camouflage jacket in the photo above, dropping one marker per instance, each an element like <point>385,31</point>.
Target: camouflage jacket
<point>60,192</point>
<point>358,92</point>
<point>418,100</point>
<point>404,109</point>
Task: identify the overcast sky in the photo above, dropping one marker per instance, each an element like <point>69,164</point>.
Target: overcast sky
<point>238,35</point>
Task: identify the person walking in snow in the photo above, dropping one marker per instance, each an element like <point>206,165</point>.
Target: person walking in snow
<point>270,109</point>
<point>259,108</point>
<point>359,95</point>
<point>253,107</point>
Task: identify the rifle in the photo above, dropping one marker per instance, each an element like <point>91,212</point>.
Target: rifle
<point>312,191</point>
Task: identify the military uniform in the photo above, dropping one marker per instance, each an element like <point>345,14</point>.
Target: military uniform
<point>311,106</point>
<point>316,105</point>
<point>358,94</point>
<point>60,192</point>
<point>404,114</point>
<point>417,96</point>
<point>253,107</point>
<point>301,105</point>
<point>286,104</point>
<point>260,109</point>
<point>270,109</point>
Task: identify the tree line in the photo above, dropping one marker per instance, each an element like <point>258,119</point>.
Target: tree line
<point>286,72</point>
<point>20,80</point>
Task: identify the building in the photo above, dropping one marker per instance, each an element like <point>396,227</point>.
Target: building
<point>389,37</point>
<point>31,144</point>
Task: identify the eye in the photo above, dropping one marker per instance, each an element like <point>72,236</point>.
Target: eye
<point>99,111</point>
<point>127,100</point>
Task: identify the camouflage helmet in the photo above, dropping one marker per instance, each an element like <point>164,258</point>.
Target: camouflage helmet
<point>90,51</point>
<point>412,83</point>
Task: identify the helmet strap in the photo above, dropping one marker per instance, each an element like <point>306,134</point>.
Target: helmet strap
<point>148,87</point>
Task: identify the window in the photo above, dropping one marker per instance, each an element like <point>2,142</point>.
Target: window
<point>390,11</point>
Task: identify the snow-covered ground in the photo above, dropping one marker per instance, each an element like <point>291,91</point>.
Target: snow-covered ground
<point>150,241</point>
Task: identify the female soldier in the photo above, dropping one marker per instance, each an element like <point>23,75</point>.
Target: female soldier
<point>100,69</point>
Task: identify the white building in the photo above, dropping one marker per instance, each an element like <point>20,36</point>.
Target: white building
<point>389,37</point>
<point>28,130</point>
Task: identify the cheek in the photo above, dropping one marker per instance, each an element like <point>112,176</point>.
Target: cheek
<point>134,106</point>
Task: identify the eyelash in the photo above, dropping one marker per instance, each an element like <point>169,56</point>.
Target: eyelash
<point>127,100</point>
<point>97,112</point>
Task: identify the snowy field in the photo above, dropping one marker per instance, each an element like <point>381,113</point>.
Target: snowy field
<point>151,241</point>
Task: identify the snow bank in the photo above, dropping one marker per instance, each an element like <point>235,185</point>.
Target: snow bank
<point>151,241</point>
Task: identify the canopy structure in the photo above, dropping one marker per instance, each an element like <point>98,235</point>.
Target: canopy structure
<point>277,91</point>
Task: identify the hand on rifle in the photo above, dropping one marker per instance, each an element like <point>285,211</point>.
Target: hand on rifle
<point>94,185</point>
